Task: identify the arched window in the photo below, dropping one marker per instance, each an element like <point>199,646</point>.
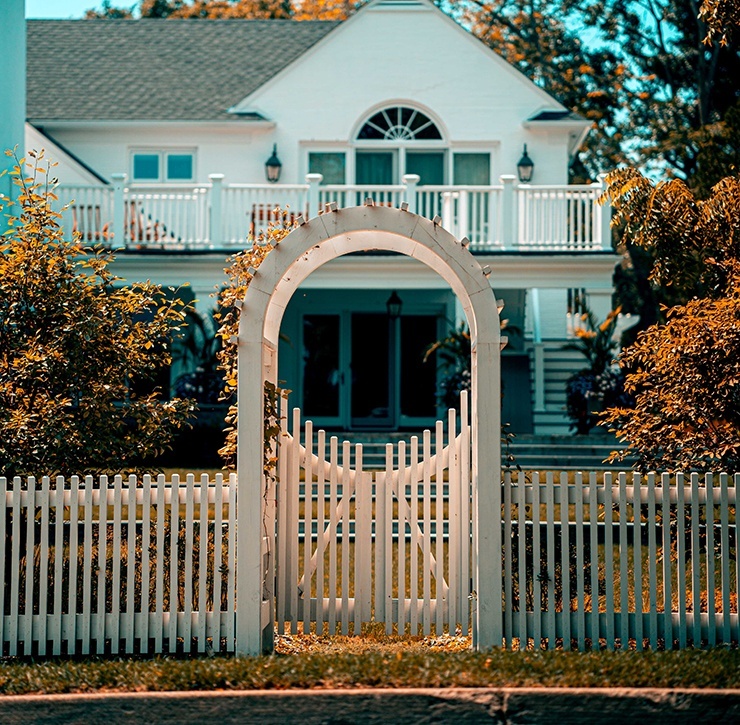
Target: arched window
<point>399,123</point>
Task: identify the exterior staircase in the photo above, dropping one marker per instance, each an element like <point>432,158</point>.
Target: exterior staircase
<point>559,366</point>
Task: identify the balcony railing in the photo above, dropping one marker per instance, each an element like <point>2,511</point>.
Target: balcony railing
<point>223,217</point>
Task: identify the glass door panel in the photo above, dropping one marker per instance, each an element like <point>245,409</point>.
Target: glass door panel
<point>374,167</point>
<point>429,165</point>
<point>322,376</point>
<point>418,378</point>
<point>371,396</point>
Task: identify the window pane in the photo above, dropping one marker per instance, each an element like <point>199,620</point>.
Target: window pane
<point>321,365</point>
<point>472,169</point>
<point>374,167</point>
<point>330,164</point>
<point>146,167</point>
<point>429,165</point>
<point>179,167</point>
<point>418,378</point>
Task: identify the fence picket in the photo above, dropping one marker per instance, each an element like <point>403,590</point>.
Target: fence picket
<point>711,585</point>
<point>333,531</point>
<point>100,631</point>
<point>27,622</point>
<point>593,526</point>
<point>624,629</point>
<point>695,562</point>
<point>128,621</point>
<point>725,558</point>
<point>305,594</point>
<point>681,560</point>
<point>453,523</point>
<point>523,579</point>
<point>146,532</point>
<point>465,538</point>
<point>549,574</point>
<point>345,536</point>
<point>174,560</point>
<point>666,553</point>
<point>361,544</point>
<point>320,504</point>
<point>86,568</point>
<point>401,528</point>
<point>439,526</point>
<point>427,517</point>
<point>202,580</point>
<point>293,503</point>
<point>637,560</point>
<point>158,619</point>
<point>609,559</point>
<point>580,564</point>
<point>536,564</point>
<point>414,543</point>
<point>74,533</point>
<point>508,573</point>
<point>652,564</point>
<point>565,558</point>
<point>388,517</point>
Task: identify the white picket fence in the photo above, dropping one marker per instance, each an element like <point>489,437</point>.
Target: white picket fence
<point>117,566</point>
<point>357,546</point>
<point>589,560</point>
<point>621,561</point>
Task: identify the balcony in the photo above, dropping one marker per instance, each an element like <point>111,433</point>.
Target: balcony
<point>216,216</point>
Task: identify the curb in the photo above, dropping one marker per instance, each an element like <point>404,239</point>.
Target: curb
<point>368,706</point>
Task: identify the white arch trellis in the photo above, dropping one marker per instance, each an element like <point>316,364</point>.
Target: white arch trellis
<point>304,250</point>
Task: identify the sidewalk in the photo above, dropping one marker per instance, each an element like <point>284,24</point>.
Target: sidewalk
<point>366,706</point>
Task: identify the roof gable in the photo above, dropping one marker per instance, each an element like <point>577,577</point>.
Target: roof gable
<point>188,70</point>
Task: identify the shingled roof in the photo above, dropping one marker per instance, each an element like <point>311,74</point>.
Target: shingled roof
<point>174,70</point>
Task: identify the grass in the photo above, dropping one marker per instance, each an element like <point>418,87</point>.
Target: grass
<point>341,662</point>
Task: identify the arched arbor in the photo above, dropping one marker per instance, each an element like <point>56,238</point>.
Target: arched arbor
<point>305,249</point>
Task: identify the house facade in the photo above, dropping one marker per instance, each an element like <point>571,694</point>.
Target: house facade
<point>164,132</point>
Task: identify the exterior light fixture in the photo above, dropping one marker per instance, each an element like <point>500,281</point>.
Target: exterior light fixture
<point>273,165</point>
<point>394,305</point>
<point>525,167</point>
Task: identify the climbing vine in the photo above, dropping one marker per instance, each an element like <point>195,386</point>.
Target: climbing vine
<point>240,272</point>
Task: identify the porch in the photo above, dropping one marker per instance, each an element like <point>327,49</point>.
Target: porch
<point>219,216</point>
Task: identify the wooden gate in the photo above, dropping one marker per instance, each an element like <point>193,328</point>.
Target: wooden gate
<point>389,544</point>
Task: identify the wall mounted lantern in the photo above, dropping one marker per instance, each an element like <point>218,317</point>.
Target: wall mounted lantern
<point>273,165</point>
<point>394,305</point>
<point>525,167</point>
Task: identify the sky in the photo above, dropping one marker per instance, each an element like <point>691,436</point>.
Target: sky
<point>66,8</point>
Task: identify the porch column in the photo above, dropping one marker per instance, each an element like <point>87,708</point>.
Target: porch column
<point>215,228</point>
<point>539,353</point>
<point>603,218</point>
<point>508,210</point>
<point>119,210</point>
<point>410,181</point>
<point>313,181</point>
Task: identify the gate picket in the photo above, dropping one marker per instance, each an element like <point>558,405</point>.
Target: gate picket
<point>388,533</point>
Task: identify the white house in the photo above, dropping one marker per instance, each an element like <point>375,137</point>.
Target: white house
<point>163,129</point>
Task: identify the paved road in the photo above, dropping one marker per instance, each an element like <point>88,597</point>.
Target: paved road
<point>368,707</point>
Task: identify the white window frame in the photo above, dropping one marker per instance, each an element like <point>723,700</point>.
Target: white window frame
<point>162,153</point>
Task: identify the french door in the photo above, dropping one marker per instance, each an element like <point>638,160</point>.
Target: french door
<point>367,370</point>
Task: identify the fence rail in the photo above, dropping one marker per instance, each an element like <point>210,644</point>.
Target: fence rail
<point>219,216</point>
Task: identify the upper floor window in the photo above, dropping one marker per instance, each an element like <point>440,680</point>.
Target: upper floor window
<point>399,123</point>
<point>176,165</point>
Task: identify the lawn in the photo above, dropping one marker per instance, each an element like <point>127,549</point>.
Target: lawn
<point>378,661</point>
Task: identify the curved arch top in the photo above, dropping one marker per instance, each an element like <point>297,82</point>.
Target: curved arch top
<point>337,233</point>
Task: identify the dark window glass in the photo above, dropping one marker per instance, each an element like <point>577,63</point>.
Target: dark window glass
<point>146,167</point>
<point>418,378</point>
<point>179,167</point>
<point>321,374</point>
<point>330,164</point>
